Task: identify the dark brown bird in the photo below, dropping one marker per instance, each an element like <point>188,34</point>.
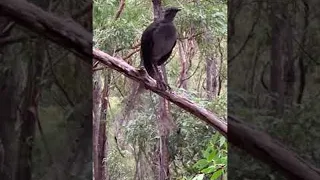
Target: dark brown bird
<point>157,42</point>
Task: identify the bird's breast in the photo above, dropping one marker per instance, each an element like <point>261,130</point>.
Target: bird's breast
<point>168,31</point>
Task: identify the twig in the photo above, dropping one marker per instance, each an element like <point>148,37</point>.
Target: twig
<point>121,7</point>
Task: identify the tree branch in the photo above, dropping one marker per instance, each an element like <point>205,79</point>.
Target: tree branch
<point>121,7</point>
<point>54,28</point>
<point>129,71</point>
<point>268,150</point>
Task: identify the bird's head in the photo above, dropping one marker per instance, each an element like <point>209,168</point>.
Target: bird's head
<point>170,13</point>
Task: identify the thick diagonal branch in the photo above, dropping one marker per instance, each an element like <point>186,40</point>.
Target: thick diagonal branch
<point>132,73</point>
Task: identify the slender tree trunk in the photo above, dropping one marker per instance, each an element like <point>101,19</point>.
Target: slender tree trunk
<point>212,71</point>
<point>99,124</point>
<point>11,89</point>
<point>254,67</point>
<point>289,69</point>
<point>184,65</point>
<point>276,69</point>
<point>212,83</point>
<point>28,111</point>
<point>104,137</point>
<point>186,48</point>
<point>163,116</point>
<point>19,94</point>
<point>302,66</point>
<point>157,9</point>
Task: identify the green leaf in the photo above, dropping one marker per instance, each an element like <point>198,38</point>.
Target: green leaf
<point>211,155</point>
<point>202,163</point>
<point>216,174</point>
<point>208,170</point>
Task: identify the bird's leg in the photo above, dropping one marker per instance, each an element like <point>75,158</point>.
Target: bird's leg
<point>162,76</point>
<point>160,80</point>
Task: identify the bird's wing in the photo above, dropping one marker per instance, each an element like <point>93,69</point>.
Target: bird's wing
<point>164,38</point>
<point>147,42</point>
<point>146,49</point>
<point>165,57</point>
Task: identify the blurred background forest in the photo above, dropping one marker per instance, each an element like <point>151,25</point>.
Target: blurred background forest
<point>45,101</point>
<point>273,79</point>
<point>196,69</point>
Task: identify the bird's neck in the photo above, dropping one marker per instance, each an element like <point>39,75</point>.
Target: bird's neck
<point>166,20</point>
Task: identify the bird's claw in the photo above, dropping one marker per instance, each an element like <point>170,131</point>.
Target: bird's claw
<point>168,87</point>
<point>163,86</point>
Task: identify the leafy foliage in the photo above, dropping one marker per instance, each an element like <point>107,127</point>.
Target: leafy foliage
<point>214,162</point>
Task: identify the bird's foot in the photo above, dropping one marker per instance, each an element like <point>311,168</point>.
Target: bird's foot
<point>168,87</point>
<point>163,86</point>
<point>142,71</point>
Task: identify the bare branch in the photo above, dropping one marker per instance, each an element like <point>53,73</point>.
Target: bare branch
<point>135,46</point>
<point>131,54</point>
<point>121,7</point>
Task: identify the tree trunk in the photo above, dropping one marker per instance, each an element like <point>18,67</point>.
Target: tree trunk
<point>212,71</point>
<point>28,111</point>
<point>289,69</point>
<point>163,115</point>
<point>100,91</point>
<point>186,47</point>
<point>184,65</point>
<point>302,66</point>
<point>212,84</point>
<point>277,55</point>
